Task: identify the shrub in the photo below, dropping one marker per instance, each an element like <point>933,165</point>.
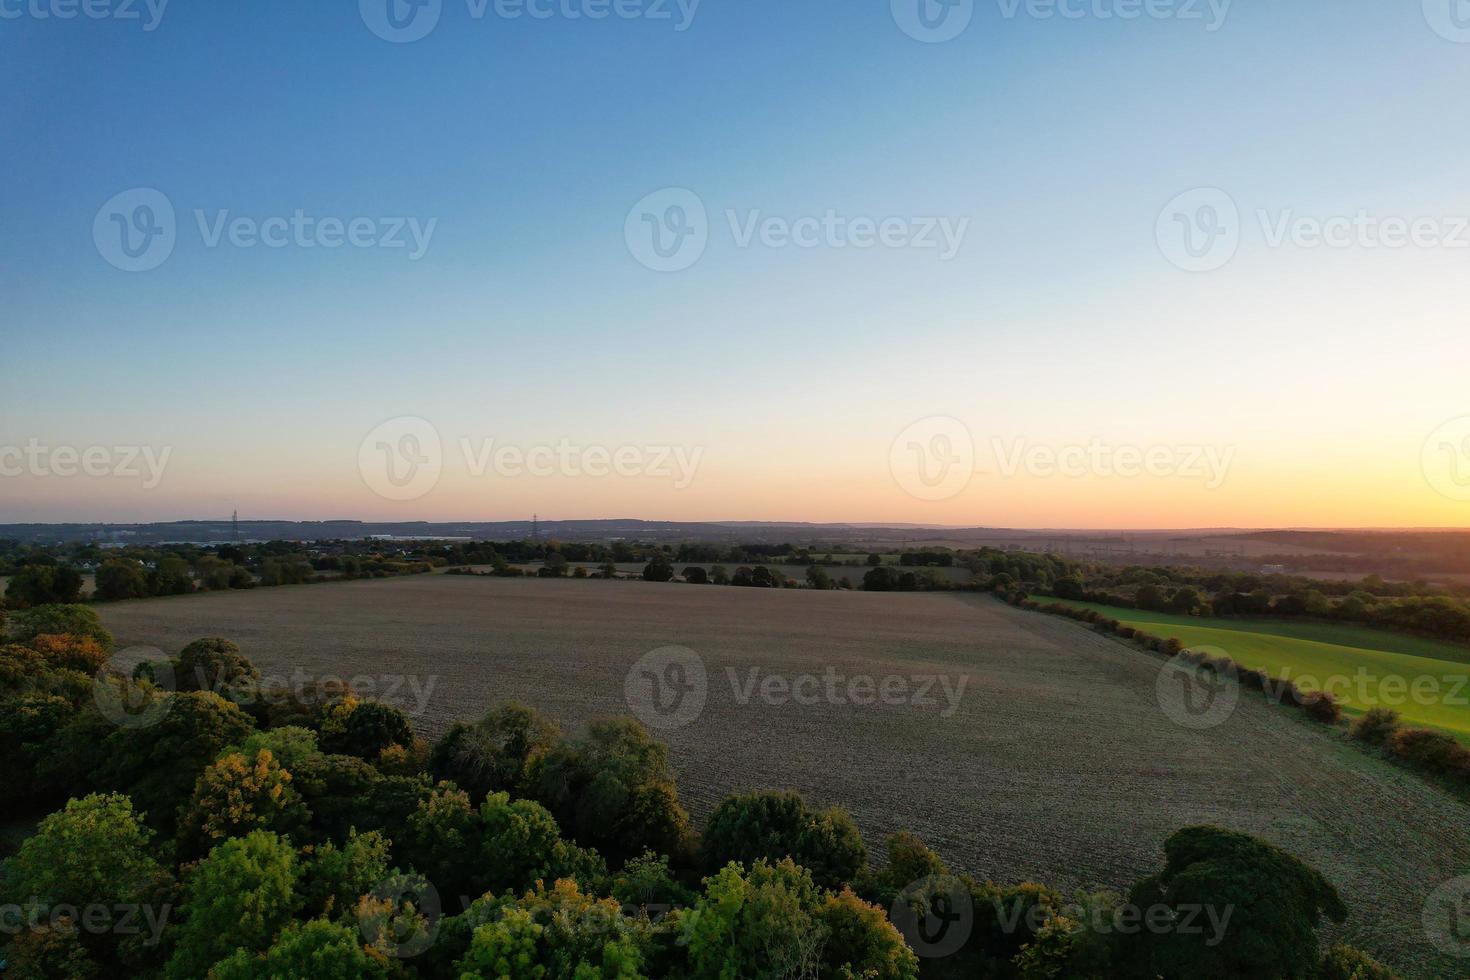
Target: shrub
<point>1435,751</point>
<point>1323,707</point>
<point>1376,725</point>
<point>1171,647</point>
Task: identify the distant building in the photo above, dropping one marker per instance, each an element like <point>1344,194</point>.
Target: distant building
<point>1273,569</point>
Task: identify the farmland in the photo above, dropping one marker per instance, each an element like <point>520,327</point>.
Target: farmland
<point>1054,763</point>
<point>1374,667</point>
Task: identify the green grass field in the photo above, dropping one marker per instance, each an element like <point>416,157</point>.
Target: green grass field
<point>1426,681</point>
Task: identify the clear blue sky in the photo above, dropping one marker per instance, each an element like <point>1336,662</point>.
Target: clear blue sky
<point>528,320</point>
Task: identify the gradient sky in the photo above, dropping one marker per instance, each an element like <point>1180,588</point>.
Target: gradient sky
<point>529,321</point>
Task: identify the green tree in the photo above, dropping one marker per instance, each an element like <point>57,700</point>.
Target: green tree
<point>778,825</point>
<point>658,570</point>
<point>95,850</point>
<point>696,575</point>
<point>55,620</point>
<point>238,897</point>
<point>1274,900</point>
<point>764,923</point>
<point>215,664</point>
<point>502,751</point>
<point>614,791</point>
<point>121,578</point>
<point>315,950</point>
<point>365,729</point>
<point>43,585</point>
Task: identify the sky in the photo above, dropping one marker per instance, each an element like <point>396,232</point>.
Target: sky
<point>1088,264</point>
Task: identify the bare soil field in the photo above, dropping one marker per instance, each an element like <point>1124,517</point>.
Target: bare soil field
<point>1056,764</point>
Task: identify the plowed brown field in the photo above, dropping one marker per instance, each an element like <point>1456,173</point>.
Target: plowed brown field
<point>1056,765</point>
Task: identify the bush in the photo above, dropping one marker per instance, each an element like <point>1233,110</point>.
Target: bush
<point>1436,751</point>
<point>1376,725</point>
<point>1323,707</point>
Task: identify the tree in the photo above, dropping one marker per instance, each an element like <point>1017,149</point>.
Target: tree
<point>614,791</point>
<point>778,825</point>
<point>66,652</point>
<point>719,575</point>
<point>215,664</point>
<point>121,578</point>
<point>94,851</point>
<point>236,898</point>
<point>365,728</point>
<point>880,579</point>
<point>658,570</point>
<point>874,561</point>
<point>237,794</point>
<point>43,585</point>
<point>499,752</point>
<point>315,950</point>
<point>335,877</point>
<point>861,942</point>
<point>170,576</point>
<point>764,923</point>
<point>158,765</point>
<point>817,577</point>
<point>695,575</point>
<point>1276,903</point>
<point>55,620</point>
<point>546,934</point>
